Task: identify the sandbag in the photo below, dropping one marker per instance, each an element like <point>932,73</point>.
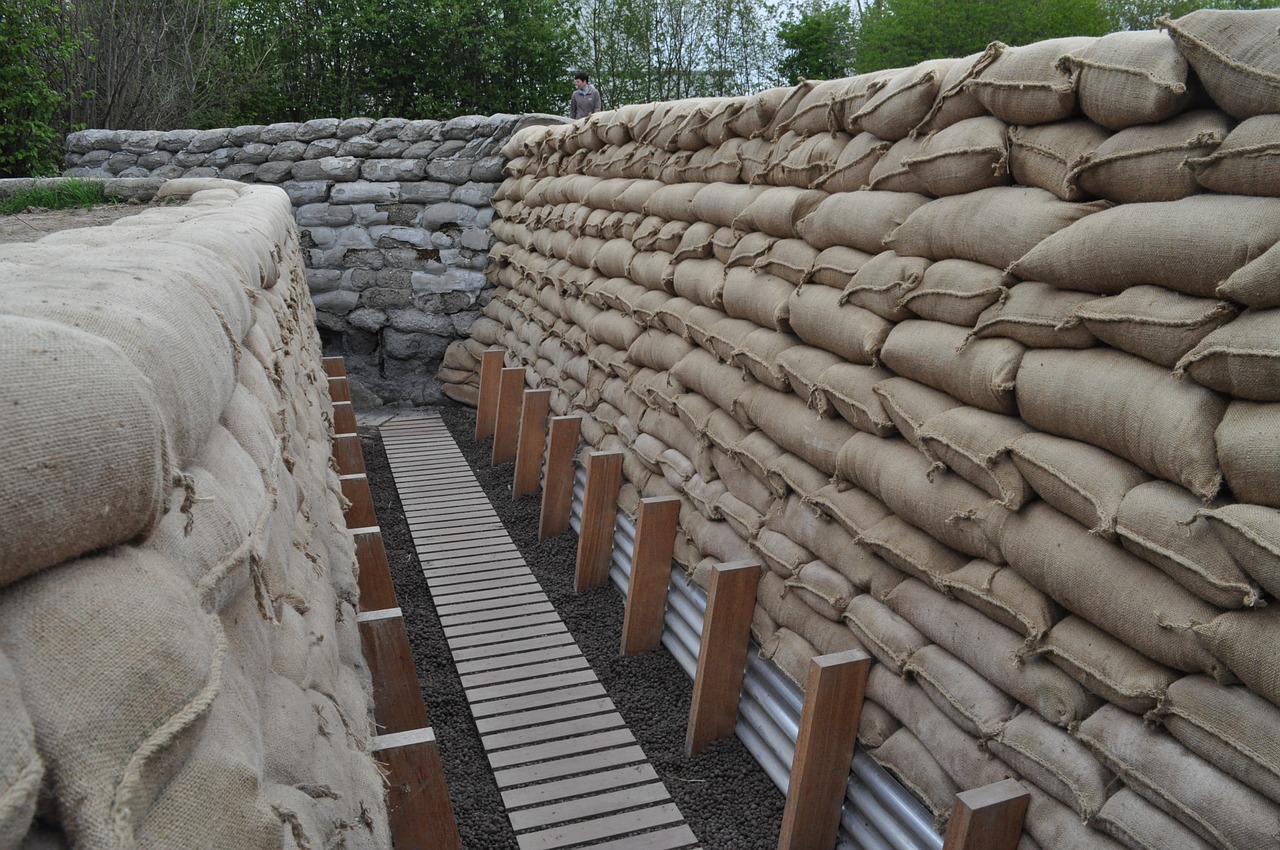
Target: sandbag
<point>1025,85</point>
<point>886,635</point>
<point>890,173</point>
<point>820,317</point>
<point>1245,162</point>
<point>22,769</point>
<point>1055,762</point>
<point>849,389</point>
<point>1241,358</point>
<point>851,170</point>
<point>980,373</point>
<point>836,266</point>
<point>1038,316</point>
<point>881,282</point>
<point>1231,53</point>
<point>957,291</point>
<point>973,443</point>
<point>967,156</point>
<point>1106,666</point>
<point>1041,156</point>
<point>910,404</point>
<point>1129,78</point>
<point>1137,824</point>
<point>857,219</point>
<point>972,702</point>
<point>903,101</point>
<point>1153,322</point>
<point>910,550</point>
<point>1004,596</point>
<point>954,102</point>
<point>1246,642</point>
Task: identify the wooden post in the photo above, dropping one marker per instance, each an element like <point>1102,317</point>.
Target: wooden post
<point>347,454</point>
<point>599,514</point>
<point>487,406</point>
<point>334,367</point>
<point>418,806</point>
<point>376,590</point>
<point>507,419</point>
<point>988,818</point>
<point>650,574</point>
<point>397,700</point>
<point>824,749</point>
<point>356,490</point>
<point>339,389</point>
<point>722,654</point>
<point>557,495</point>
<point>344,418</point>
<point>533,437</point>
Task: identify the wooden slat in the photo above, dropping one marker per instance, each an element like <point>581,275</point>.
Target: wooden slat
<point>824,748</point>
<point>531,442</point>
<point>376,589</point>
<point>529,773</point>
<point>347,454</point>
<point>722,654</point>
<point>538,700</point>
<point>527,671</point>
<point>599,514</point>
<point>604,827</point>
<point>564,747</point>
<point>650,574</point>
<point>506,425</point>
<point>565,728</point>
<point>344,418</point>
<point>551,652</point>
<point>524,610</point>
<point>557,492</point>
<point>484,640</point>
<point>671,838</point>
<point>480,695</point>
<point>339,388</point>
<point>496,651</point>
<point>576,786</point>
<point>418,806</point>
<point>487,405</point>
<point>356,490</point>
<point>397,699</point>
<point>334,367</point>
<point>988,818</point>
<point>596,804</point>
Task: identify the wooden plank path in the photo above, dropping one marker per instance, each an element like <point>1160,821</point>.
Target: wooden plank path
<point>570,772</point>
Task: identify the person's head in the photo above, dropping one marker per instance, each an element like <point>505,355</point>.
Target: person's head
<point>580,79</point>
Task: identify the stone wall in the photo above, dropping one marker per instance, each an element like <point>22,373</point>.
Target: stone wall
<point>394,218</point>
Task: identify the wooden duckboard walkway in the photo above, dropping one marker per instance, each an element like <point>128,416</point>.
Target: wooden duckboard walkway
<point>570,772</point>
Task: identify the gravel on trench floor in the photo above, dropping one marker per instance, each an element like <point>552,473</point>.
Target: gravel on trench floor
<point>723,794</point>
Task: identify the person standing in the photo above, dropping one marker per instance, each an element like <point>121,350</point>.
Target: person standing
<point>585,98</point>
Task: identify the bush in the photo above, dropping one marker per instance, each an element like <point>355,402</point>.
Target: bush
<point>31,43</point>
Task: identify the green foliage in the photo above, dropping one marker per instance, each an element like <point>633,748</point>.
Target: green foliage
<point>65,194</point>
<point>899,33</point>
<point>30,143</point>
<point>819,45</point>
<point>1142,14</point>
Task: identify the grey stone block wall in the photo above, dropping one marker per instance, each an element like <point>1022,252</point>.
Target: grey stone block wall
<point>394,216</point>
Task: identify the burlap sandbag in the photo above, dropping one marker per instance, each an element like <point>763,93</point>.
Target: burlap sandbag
<point>994,226</point>
<point>875,724</point>
<point>890,173</point>
<point>801,521</point>
<point>808,163</point>
<point>1247,642</point>
<point>1052,824</point>
<point>910,550</point>
<point>1153,322</point>
<point>758,296</point>
<point>899,475</point>
<point>820,317</point>
<point>749,249</point>
<point>1025,86</point>
<point>822,588</point>
<point>1128,406</point>
<point>813,115</point>
<point>967,156</point>
<point>1091,578</point>
<point>886,635</point>
<point>1160,523</point>
<point>1055,762</point>
<point>778,210</point>
<point>1247,451</point>
<point>957,752</point>
<point>1129,78</point>
<point>994,651</point>
<point>897,107</point>
<point>791,653</point>
<point>980,373</point>
<point>880,284</point>
<point>836,266</point>
<point>848,388</point>
<point>1147,163</point>
<point>1155,766</point>
<point>1232,53</point>
<point>850,98</point>
<point>759,353</point>
<point>1004,596</point>
<point>723,384</point>
<point>803,365</point>
<point>789,422</point>
<point>674,203</point>
<point>85,446</point>
<point>1084,482</point>
<point>790,259</point>
<point>791,474</point>
<point>973,444</point>
<point>1137,824</point>
<point>957,291</point>
<point>116,725</point>
<point>910,762</point>
<point>780,554</point>
<point>1245,163</point>
<point>973,703</point>
<point>790,612</point>
<point>954,103</point>
<point>750,457</point>
<point>717,116</point>
<point>1241,358</point>
<point>700,281</point>
<point>857,219</point>
<point>910,404</point>
<point>1189,245</point>
<point>851,170</point>
<point>1105,666</point>
<point>1042,155</point>
<point>21,769</point>
<point>1038,316</point>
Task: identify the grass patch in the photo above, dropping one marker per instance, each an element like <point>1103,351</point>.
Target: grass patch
<point>67,194</point>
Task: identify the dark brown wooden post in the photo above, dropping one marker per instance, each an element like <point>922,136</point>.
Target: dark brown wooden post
<point>344,418</point>
<point>722,654</point>
<point>376,590</point>
<point>334,367</point>
<point>988,818</point>
<point>348,455</point>
<point>650,574</point>
<point>824,749</point>
<point>356,490</point>
<point>506,422</point>
<point>487,405</point>
<point>418,807</point>
<point>532,440</point>
<point>339,389</point>
<point>599,513</point>
<point>557,495</point>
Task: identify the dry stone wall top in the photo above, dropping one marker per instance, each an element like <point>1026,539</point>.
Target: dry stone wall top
<point>979,358</point>
<point>394,218</point>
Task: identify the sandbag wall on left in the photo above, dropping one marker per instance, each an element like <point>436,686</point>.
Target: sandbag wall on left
<point>179,659</point>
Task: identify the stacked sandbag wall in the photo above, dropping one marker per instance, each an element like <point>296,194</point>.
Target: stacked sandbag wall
<point>980,358</point>
<point>393,214</point>
<point>180,664</point>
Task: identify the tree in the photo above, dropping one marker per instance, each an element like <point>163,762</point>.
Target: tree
<point>1142,14</point>
<point>819,45</point>
<point>899,33</point>
<point>30,43</point>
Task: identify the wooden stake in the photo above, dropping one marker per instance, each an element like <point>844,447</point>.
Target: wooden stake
<point>722,654</point>
<point>344,418</point>
<point>334,367</point>
<point>356,490</point>
<point>988,818</point>
<point>599,514</point>
<point>418,806</point>
<point>347,454</point>
<point>824,749</point>
<point>376,590</point>
<point>507,419</point>
<point>487,406</point>
<point>397,700</point>
<point>339,389</point>
<point>532,440</point>
<point>557,495</point>
<point>650,574</point>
